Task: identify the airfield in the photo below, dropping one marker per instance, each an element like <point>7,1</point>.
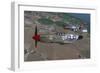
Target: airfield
<point>53,51</point>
